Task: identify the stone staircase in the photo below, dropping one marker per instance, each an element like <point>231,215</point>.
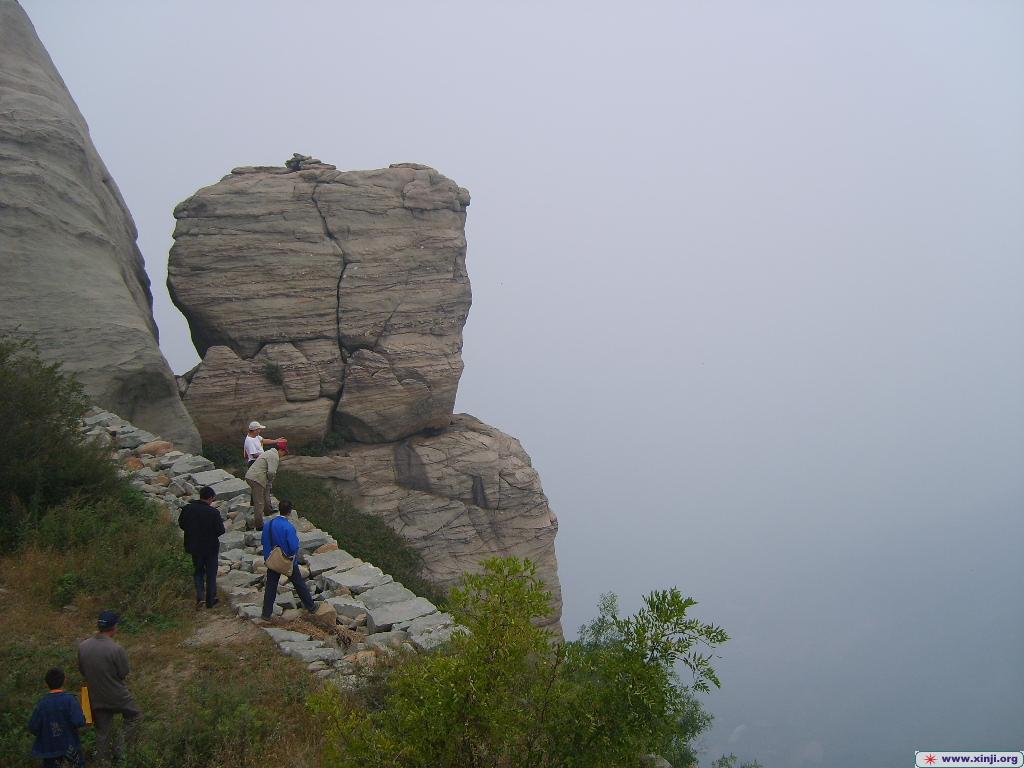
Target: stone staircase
<point>370,615</point>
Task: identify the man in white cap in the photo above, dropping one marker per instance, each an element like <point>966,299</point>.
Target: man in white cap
<point>255,443</point>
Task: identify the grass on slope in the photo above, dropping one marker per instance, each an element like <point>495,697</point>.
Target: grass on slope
<point>238,705</point>
<point>75,538</point>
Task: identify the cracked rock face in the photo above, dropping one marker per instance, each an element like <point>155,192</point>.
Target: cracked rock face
<point>73,278</point>
<point>318,297</point>
<point>459,497</point>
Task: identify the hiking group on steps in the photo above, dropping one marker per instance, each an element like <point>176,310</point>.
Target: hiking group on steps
<point>367,615</point>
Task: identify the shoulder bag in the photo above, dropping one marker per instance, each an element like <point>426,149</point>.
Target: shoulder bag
<point>278,561</point>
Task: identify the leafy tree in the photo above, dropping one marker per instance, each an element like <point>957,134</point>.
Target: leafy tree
<point>729,761</point>
<point>503,695</point>
<point>624,670</point>
<point>47,460</point>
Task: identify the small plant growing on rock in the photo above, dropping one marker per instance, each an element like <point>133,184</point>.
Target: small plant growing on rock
<point>273,372</point>
<point>330,442</point>
<point>225,457</point>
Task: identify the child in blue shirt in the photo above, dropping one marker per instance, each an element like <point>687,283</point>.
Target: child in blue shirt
<point>55,723</point>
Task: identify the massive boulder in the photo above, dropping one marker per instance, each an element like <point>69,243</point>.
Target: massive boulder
<point>459,497</point>
<point>73,277</point>
<point>323,299</point>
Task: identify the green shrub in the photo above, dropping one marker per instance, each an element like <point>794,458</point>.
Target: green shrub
<point>81,520</point>
<point>364,536</point>
<point>332,441</point>
<point>729,761</point>
<point>225,457</point>
<point>273,372</point>
<point>123,551</point>
<point>621,672</point>
<point>65,587</point>
<point>41,410</point>
<point>503,695</point>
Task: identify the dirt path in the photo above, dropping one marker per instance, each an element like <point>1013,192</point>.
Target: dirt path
<point>223,629</point>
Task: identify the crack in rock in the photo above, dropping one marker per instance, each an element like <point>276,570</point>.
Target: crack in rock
<point>345,261</point>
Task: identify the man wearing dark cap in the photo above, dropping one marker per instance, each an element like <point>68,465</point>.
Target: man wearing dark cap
<point>203,527</point>
<point>104,665</point>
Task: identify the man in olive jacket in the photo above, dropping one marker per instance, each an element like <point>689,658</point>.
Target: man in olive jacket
<point>104,665</point>
<point>260,478</point>
<point>203,527</point>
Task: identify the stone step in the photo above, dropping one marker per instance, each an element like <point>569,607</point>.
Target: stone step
<point>211,477</point>
<point>381,618</point>
<point>329,561</point>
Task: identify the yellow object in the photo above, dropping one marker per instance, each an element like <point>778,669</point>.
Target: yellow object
<point>86,705</point>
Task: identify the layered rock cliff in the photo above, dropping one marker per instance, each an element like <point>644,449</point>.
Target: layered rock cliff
<point>459,496</point>
<point>73,277</point>
<point>326,301</point>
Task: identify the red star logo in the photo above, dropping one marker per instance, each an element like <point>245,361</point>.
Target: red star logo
<point>929,759</point>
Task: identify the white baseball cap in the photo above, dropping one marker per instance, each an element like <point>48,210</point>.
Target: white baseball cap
<point>255,425</point>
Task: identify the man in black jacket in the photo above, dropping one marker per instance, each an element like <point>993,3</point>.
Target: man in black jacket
<point>202,525</point>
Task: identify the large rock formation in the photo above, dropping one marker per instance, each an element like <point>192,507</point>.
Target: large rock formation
<point>459,497</point>
<point>323,300</point>
<point>317,296</point>
<point>73,277</point>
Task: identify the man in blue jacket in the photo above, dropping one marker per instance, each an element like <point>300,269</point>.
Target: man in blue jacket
<point>55,723</point>
<point>279,532</point>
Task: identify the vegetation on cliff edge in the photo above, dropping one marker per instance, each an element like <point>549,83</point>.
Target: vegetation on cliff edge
<point>503,695</point>
<point>77,539</point>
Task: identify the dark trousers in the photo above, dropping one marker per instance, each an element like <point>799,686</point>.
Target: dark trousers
<point>205,575</point>
<point>270,595</point>
<point>109,749</point>
<point>73,759</point>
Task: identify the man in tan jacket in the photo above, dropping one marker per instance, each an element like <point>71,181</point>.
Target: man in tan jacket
<point>260,478</point>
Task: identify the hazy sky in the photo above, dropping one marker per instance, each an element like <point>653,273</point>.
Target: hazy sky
<point>747,284</point>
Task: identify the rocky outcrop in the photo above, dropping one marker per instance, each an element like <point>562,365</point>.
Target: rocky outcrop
<point>73,277</point>
<point>325,301</point>
<point>459,497</point>
<point>318,297</point>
